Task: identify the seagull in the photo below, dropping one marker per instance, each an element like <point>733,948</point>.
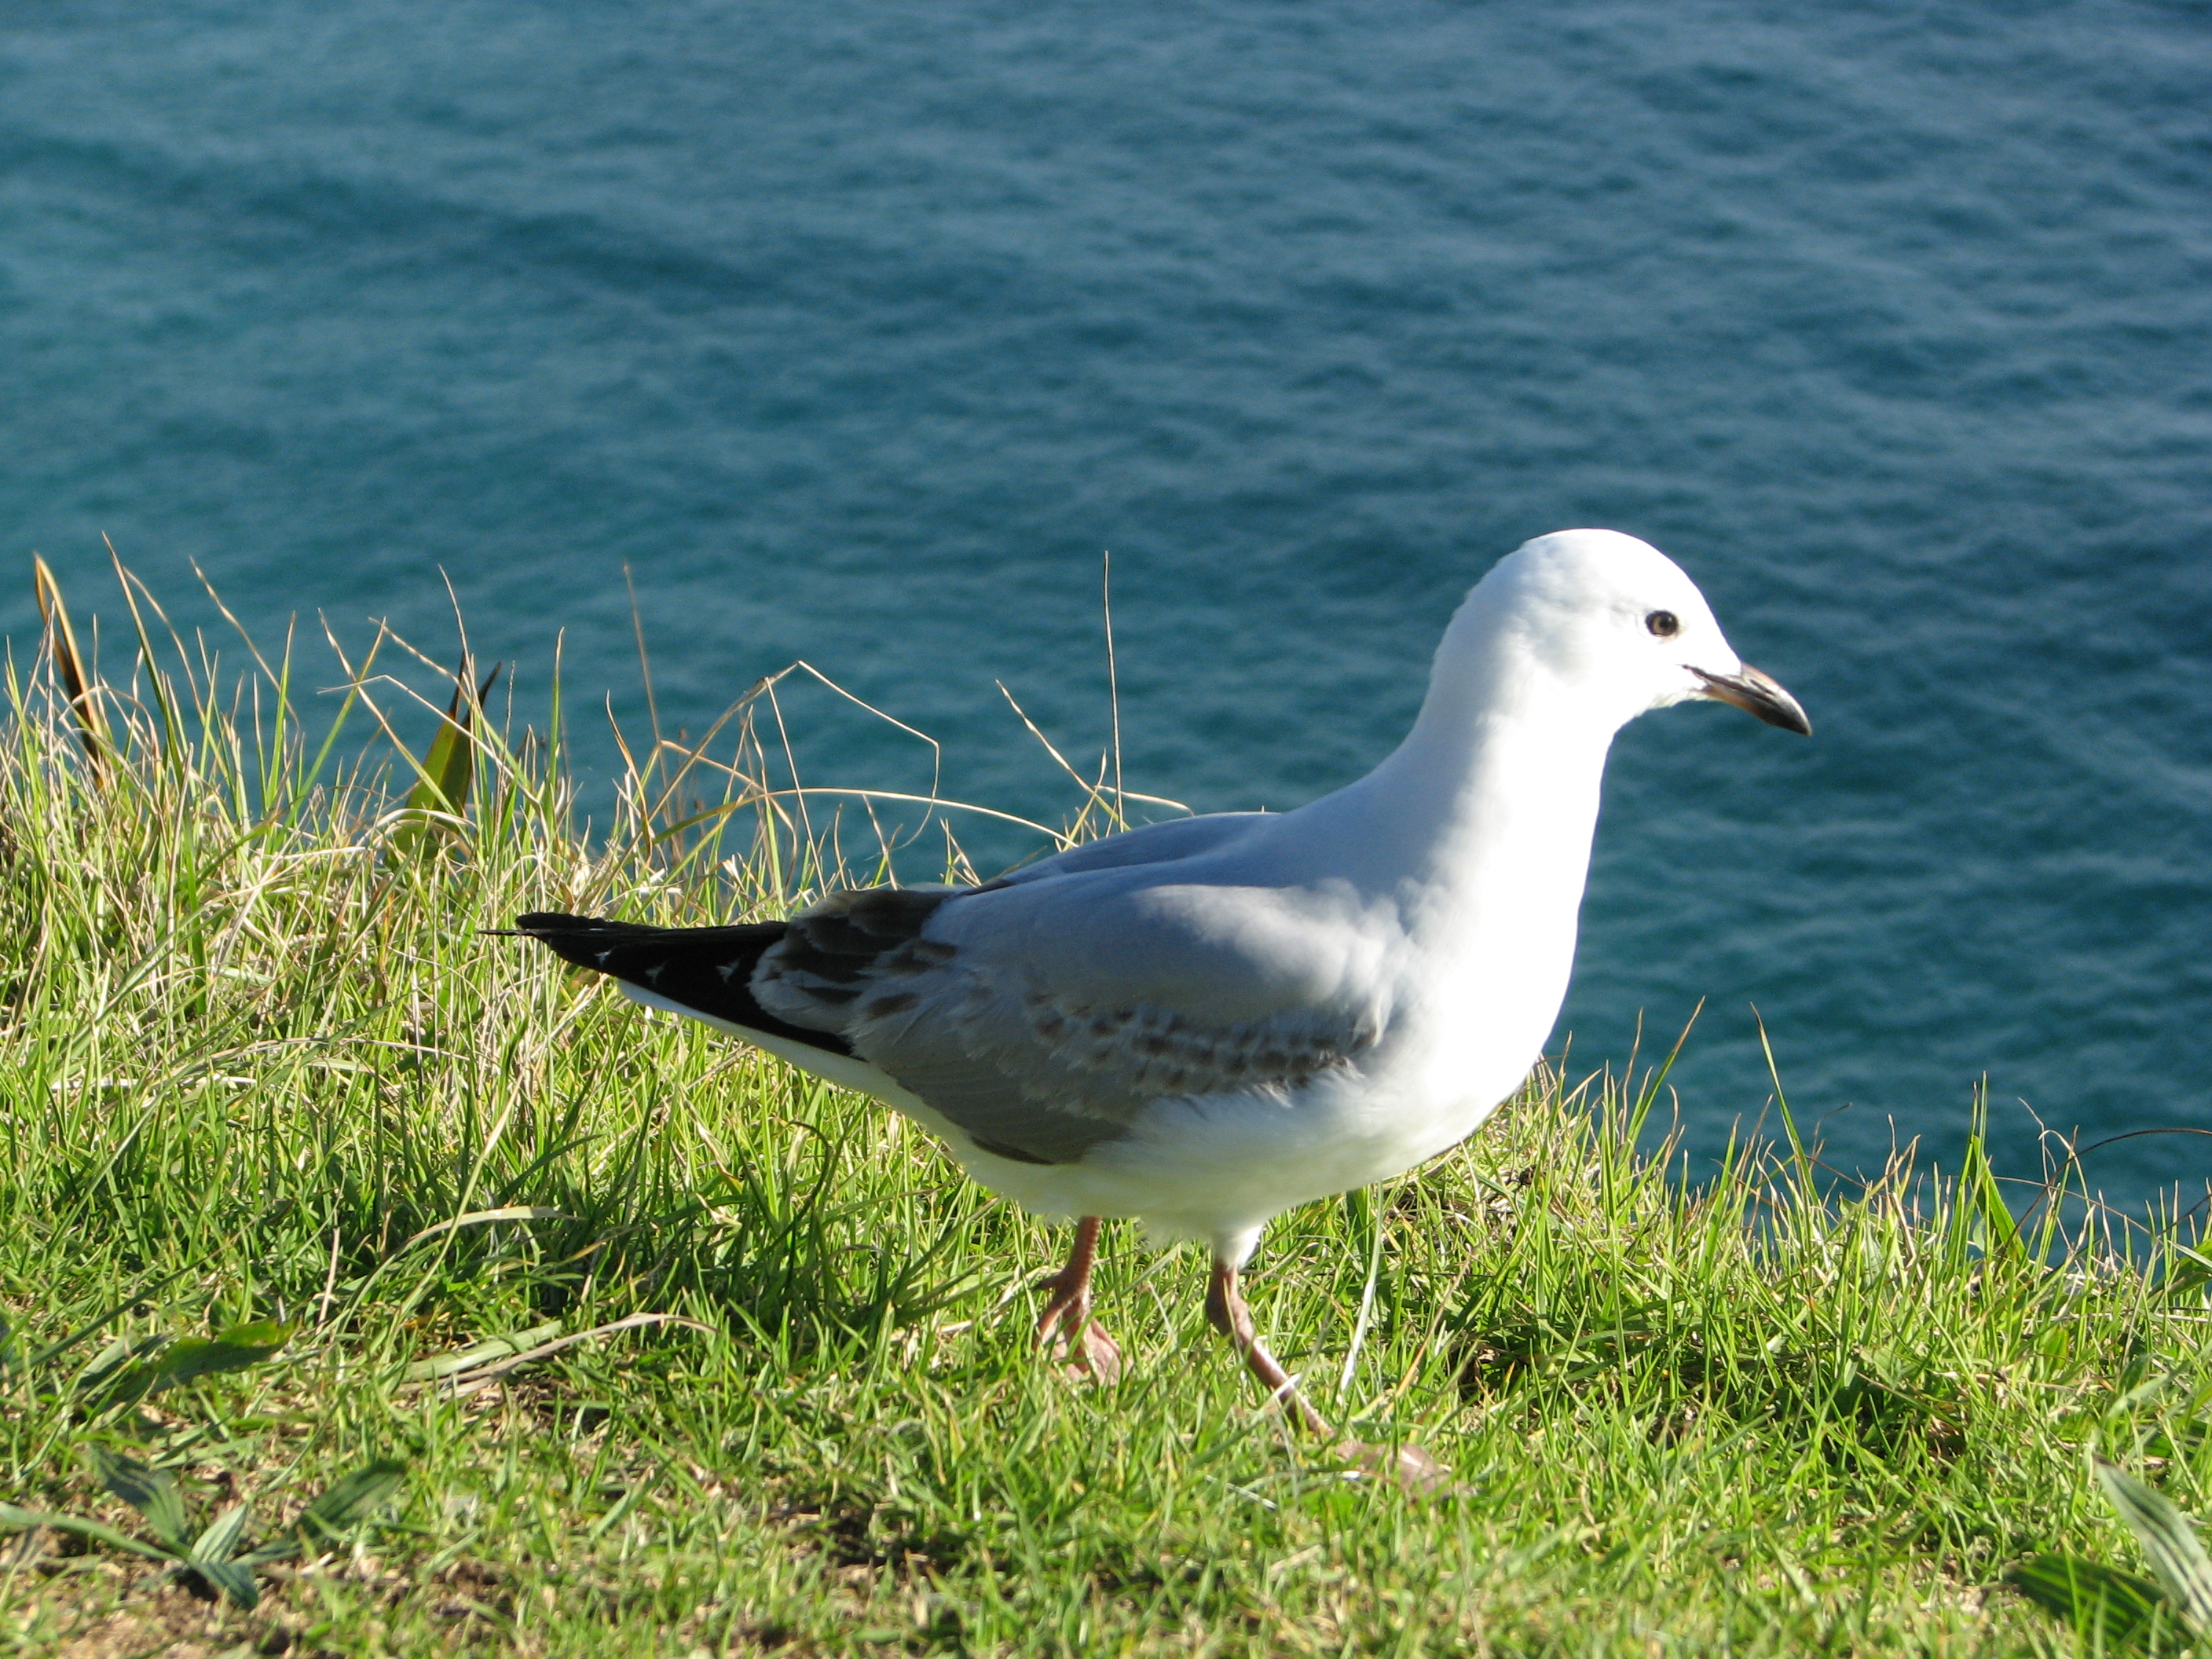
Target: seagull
<point>1204,1022</point>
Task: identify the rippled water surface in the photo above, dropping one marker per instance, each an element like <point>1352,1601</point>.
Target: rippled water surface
<point>859,332</point>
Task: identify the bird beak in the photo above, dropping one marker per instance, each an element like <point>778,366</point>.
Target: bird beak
<point>1756,693</point>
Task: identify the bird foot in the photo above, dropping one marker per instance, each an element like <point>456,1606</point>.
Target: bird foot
<point>1409,1468</point>
<point>1067,1332</point>
<point>1097,1356</point>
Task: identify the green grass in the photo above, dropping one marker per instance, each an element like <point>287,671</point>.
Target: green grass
<point>259,1054</point>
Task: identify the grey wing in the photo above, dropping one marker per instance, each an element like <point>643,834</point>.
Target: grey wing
<point>1169,841</point>
<point>1042,1019</point>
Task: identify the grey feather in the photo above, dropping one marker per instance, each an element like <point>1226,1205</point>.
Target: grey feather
<point>1041,1015</point>
<point>1175,841</point>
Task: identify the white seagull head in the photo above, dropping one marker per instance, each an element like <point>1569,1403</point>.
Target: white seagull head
<point>1615,624</point>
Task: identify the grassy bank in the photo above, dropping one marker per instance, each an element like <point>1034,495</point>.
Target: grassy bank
<point>264,1073</point>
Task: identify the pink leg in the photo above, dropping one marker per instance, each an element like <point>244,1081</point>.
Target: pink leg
<point>1067,1313</point>
<point>1409,1466</point>
<point>1226,1312</point>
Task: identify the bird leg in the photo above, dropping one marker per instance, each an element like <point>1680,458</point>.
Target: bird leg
<point>1067,1313</point>
<point>1226,1312</point>
<point>1409,1466</point>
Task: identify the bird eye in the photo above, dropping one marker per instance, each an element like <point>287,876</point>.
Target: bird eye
<point>1665,623</point>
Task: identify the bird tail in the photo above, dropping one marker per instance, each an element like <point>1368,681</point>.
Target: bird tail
<point>706,971</point>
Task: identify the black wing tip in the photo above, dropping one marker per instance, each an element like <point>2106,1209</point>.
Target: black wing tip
<point>556,921</point>
<point>586,941</point>
<point>701,971</point>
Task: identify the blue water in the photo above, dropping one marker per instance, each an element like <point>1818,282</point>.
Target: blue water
<point>858,332</point>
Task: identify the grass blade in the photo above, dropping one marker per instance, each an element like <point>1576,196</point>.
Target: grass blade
<point>441,789</point>
<point>13,1519</point>
<point>351,1501</point>
<point>152,1492</point>
<point>219,1542</point>
<point>2169,1541</point>
<point>233,1579</point>
<point>483,1218</point>
<point>2114,1611</point>
<point>68,663</point>
<point>194,1357</point>
<point>529,1357</point>
<point>479,1353</point>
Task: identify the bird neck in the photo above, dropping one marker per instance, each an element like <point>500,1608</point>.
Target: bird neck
<point>1492,799</point>
<point>1480,822</point>
<point>1500,792</point>
<point>1478,826</point>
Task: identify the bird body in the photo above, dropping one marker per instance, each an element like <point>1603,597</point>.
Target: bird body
<point>1202,1023</point>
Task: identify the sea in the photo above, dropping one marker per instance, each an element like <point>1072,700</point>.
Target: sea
<point>873,333</point>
